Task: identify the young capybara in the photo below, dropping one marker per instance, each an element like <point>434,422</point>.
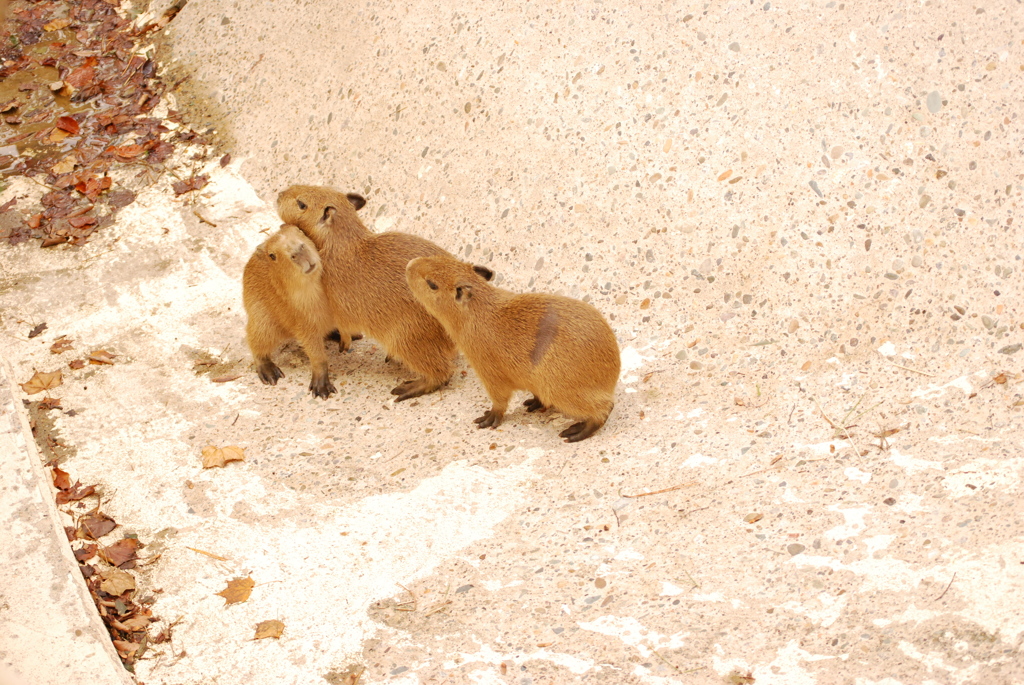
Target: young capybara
<point>283,292</point>
<point>560,349</point>
<point>364,278</point>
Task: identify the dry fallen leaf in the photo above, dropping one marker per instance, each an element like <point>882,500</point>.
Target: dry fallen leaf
<point>61,345</point>
<point>95,525</point>
<point>120,552</point>
<point>1000,379</point>
<point>238,590</point>
<point>37,330</point>
<point>42,381</point>
<point>271,628</point>
<point>68,124</point>
<point>76,363</point>
<point>218,456</point>
<point>48,403</point>
<point>753,518</point>
<point>61,479</point>
<point>64,166</point>
<point>101,357</point>
<point>116,582</point>
<point>226,378</point>
<point>75,493</point>
<point>57,24</point>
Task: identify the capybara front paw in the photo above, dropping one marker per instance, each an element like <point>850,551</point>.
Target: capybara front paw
<point>269,372</point>
<point>410,389</point>
<point>322,387</point>
<point>492,419</point>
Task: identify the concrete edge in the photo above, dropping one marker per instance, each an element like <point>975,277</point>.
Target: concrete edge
<point>68,642</point>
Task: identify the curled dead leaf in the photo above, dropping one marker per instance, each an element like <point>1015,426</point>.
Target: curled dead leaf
<point>271,628</point>
<point>76,363</point>
<point>60,345</point>
<point>237,590</point>
<point>121,551</point>
<point>116,582</point>
<point>218,456</point>
<point>61,479</point>
<point>101,357</point>
<point>57,24</point>
<point>68,124</point>
<point>42,381</point>
<point>95,525</point>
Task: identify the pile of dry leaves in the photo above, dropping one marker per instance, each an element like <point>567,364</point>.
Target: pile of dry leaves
<point>76,103</point>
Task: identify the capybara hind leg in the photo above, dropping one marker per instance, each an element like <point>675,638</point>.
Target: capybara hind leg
<point>581,431</point>
<point>264,336</point>
<point>534,404</point>
<point>415,388</point>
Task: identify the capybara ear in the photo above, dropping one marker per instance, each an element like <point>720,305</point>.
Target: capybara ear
<point>329,213</point>
<point>486,273</point>
<point>463,292</point>
<point>357,200</point>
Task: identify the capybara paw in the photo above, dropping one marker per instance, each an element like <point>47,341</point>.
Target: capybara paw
<point>580,431</point>
<point>411,389</point>
<point>269,372</point>
<point>492,419</point>
<point>322,387</point>
<point>534,404</point>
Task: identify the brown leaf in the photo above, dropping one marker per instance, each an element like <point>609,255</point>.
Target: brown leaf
<point>9,106</point>
<point>68,124</point>
<point>80,77</point>
<point>998,380</point>
<point>225,160</point>
<point>237,590</point>
<point>116,582</point>
<point>218,456</point>
<point>126,650</point>
<point>48,403</point>
<point>61,479</point>
<point>193,183</point>
<point>120,552</point>
<point>37,330</point>
<point>128,151</point>
<point>271,628</point>
<point>57,24</point>
<point>101,357</point>
<point>76,493</point>
<point>65,166</point>
<point>42,381</point>
<point>76,363</point>
<point>61,345</point>
<point>120,198</point>
<point>56,135</point>
<point>753,518</point>
<point>85,553</point>
<point>94,526</point>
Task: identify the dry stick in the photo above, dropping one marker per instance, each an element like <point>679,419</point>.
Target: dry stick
<point>203,218</point>
<point>415,602</point>
<point>947,587</point>
<point>209,554</point>
<point>832,423</point>
<point>658,492</point>
<point>907,368</point>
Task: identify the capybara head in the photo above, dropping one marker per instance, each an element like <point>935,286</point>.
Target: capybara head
<point>445,286</point>
<point>315,208</point>
<point>290,248</point>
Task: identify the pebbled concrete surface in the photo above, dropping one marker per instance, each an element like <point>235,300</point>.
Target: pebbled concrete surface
<point>49,629</point>
<point>794,215</point>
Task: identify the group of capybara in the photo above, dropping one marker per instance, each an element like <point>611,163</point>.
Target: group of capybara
<point>324,275</point>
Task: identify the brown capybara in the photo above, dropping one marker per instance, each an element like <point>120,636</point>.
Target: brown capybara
<point>560,349</point>
<point>283,292</point>
<point>364,277</point>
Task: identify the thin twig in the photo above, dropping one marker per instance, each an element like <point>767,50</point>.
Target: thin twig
<point>947,587</point>
<point>209,554</point>
<point>907,368</point>
<point>658,492</point>
<point>415,602</point>
<point>203,218</point>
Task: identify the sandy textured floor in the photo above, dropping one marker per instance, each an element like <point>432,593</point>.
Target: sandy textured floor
<point>794,215</point>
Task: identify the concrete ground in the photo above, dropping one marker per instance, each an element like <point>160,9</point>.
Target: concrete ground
<point>801,220</point>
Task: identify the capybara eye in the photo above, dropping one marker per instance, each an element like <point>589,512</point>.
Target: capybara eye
<point>431,284</point>
<point>273,257</point>
<point>301,204</point>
